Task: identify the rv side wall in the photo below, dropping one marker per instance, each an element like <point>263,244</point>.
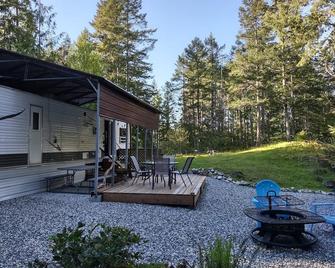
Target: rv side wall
<point>67,130</point>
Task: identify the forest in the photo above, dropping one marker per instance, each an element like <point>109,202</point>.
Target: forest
<point>276,83</point>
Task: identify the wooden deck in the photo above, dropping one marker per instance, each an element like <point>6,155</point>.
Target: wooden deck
<point>179,195</point>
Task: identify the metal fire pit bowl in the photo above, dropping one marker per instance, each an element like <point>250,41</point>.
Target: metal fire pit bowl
<point>283,226</point>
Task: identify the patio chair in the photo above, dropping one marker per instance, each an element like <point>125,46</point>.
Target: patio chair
<point>264,188</point>
<point>172,159</point>
<point>102,180</point>
<point>184,171</point>
<point>139,173</point>
<point>161,169</point>
<point>329,215</point>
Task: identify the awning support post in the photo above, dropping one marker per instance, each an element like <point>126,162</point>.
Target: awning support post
<point>137,142</point>
<point>145,144</point>
<point>113,147</point>
<point>97,141</point>
<point>127,147</point>
<point>152,145</point>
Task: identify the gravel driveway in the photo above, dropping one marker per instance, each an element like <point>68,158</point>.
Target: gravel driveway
<point>173,233</point>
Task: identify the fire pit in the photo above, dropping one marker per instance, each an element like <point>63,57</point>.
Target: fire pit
<point>283,226</point>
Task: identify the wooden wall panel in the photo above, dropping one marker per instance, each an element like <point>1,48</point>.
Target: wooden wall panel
<point>118,107</point>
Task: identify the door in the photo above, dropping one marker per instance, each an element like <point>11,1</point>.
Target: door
<point>35,135</point>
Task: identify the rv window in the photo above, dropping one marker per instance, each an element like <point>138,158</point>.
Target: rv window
<point>36,121</point>
<point>123,135</point>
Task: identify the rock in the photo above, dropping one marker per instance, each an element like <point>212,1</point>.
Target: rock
<point>243,183</point>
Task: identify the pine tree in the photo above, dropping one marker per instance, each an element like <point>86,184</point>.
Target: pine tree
<point>28,27</point>
<point>124,40</point>
<point>17,26</point>
<point>249,70</point>
<point>83,55</point>
<point>190,73</point>
<point>168,108</point>
<point>293,30</point>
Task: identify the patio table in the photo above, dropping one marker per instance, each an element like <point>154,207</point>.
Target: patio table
<point>152,164</point>
<point>71,171</point>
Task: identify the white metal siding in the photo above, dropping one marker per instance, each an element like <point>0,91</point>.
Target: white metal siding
<point>73,130</point>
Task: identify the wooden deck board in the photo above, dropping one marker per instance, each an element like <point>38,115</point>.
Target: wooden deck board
<point>138,193</point>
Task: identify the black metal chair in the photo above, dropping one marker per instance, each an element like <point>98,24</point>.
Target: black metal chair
<point>161,169</point>
<point>184,171</point>
<point>139,173</point>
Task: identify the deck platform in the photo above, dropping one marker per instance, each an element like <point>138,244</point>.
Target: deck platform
<point>179,195</point>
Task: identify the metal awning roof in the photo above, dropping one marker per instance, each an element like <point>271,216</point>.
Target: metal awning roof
<point>56,81</point>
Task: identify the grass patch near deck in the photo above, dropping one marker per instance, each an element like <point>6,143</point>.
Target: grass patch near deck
<point>292,164</point>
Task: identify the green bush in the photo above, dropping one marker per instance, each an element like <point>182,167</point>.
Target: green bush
<point>99,246</point>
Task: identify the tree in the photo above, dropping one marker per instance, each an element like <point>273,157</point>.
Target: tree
<point>249,69</point>
<point>28,27</point>
<point>190,73</point>
<point>294,30</point>
<point>168,109</point>
<point>124,40</point>
<point>84,57</point>
<point>17,26</point>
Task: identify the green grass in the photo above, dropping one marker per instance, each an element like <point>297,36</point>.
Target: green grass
<point>291,164</point>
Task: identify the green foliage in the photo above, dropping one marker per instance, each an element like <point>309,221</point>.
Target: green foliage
<point>302,136</point>
<point>291,164</point>
<point>276,83</point>
<point>221,255</point>
<point>37,264</point>
<point>124,41</point>
<point>84,57</point>
<point>99,246</point>
<point>28,27</point>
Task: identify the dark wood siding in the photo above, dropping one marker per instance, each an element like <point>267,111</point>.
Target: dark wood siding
<point>118,107</point>
<point>7,160</point>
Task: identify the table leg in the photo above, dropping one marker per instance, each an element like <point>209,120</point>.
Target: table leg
<point>153,179</point>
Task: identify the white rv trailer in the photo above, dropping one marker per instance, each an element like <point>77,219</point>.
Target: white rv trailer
<point>43,125</point>
<point>40,131</point>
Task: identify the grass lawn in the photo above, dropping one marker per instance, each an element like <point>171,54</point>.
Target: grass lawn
<point>291,164</point>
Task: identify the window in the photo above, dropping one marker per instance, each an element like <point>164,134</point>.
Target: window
<point>123,135</point>
<point>36,121</point>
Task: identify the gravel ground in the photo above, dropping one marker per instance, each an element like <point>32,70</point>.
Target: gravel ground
<point>173,233</point>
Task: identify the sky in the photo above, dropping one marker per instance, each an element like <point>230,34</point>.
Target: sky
<point>177,23</point>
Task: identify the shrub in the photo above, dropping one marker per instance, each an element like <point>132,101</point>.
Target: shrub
<point>99,246</point>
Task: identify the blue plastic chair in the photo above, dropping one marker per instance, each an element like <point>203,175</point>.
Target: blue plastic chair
<point>263,188</point>
<point>330,219</point>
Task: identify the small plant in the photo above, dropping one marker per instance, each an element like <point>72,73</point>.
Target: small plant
<point>99,246</point>
<point>221,255</point>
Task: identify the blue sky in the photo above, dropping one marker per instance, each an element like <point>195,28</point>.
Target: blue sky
<point>177,23</point>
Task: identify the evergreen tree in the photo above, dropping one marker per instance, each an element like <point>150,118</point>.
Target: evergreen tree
<point>249,71</point>
<point>190,73</point>
<point>17,26</point>
<point>293,30</point>
<point>124,40</point>
<point>28,27</point>
<point>84,57</point>
<point>168,109</point>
